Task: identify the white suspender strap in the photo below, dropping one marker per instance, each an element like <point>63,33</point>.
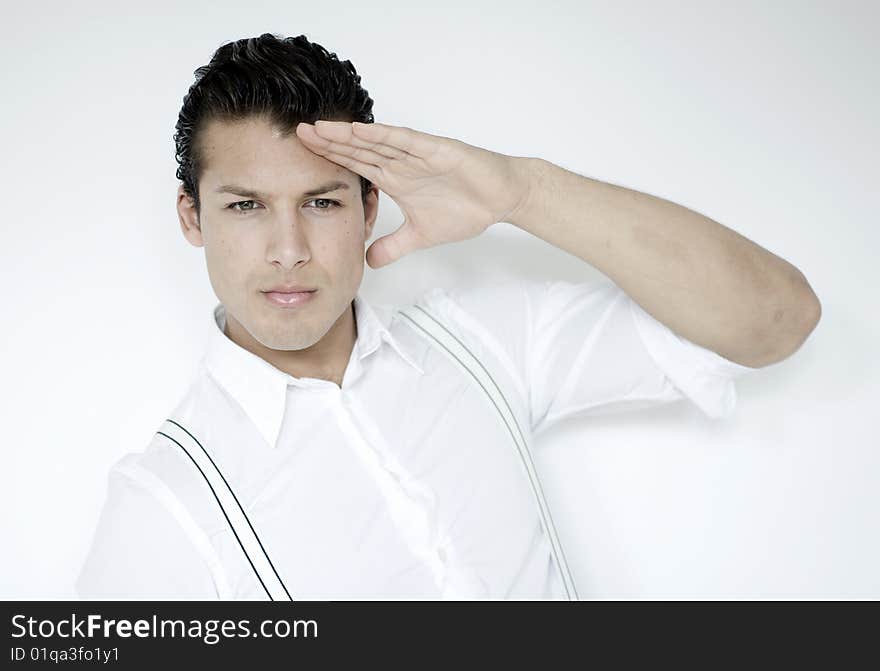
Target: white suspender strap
<point>230,507</point>
<point>431,328</point>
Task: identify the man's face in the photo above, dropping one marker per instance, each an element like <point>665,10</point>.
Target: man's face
<point>279,237</point>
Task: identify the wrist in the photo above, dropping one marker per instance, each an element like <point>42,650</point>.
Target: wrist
<point>528,171</point>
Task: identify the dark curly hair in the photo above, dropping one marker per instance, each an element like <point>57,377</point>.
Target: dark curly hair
<point>285,80</point>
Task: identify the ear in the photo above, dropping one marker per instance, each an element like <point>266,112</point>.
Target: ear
<point>371,210</point>
<point>189,219</point>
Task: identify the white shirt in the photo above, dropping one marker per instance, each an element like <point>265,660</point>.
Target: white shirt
<point>403,483</point>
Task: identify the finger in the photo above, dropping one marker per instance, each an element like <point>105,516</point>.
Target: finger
<point>341,132</point>
<point>356,153</point>
<point>400,137</point>
<point>321,145</point>
<point>371,172</point>
<point>389,248</point>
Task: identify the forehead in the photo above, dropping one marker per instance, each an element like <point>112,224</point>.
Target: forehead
<point>253,151</point>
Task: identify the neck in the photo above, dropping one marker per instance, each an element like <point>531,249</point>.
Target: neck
<point>327,359</point>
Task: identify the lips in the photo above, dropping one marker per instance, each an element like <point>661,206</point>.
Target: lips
<point>289,289</point>
<point>289,298</point>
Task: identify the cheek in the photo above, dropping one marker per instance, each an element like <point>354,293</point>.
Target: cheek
<point>346,240</point>
<point>346,248</point>
<point>223,251</point>
<point>228,258</point>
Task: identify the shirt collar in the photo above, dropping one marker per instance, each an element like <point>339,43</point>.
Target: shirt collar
<point>261,389</point>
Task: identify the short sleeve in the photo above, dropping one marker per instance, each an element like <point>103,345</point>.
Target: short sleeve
<point>142,548</point>
<point>587,348</point>
<point>596,351</point>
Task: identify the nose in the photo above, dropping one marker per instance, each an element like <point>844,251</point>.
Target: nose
<point>288,244</point>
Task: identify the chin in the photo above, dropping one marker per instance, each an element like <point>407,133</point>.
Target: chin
<point>286,342</point>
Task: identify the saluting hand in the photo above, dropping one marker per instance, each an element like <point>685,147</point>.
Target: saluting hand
<point>447,190</point>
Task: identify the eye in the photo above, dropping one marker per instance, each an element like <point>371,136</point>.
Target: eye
<point>236,206</point>
<point>335,203</point>
<point>232,206</point>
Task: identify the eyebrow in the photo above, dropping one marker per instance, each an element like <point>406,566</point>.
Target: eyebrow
<point>250,193</point>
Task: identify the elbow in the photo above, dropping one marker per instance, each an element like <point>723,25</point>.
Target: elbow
<point>779,329</point>
<point>813,313</point>
<point>808,312</point>
<point>795,324</point>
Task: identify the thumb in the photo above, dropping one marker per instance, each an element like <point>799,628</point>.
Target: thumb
<point>389,248</point>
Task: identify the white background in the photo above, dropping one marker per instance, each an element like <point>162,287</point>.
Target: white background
<point>762,116</point>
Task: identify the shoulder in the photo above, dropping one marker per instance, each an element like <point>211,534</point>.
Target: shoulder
<point>163,476</point>
<point>509,302</point>
<point>492,320</point>
<point>147,542</point>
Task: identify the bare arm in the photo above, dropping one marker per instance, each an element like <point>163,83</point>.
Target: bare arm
<point>703,280</point>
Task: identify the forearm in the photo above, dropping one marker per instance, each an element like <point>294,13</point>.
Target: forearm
<point>703,280</point>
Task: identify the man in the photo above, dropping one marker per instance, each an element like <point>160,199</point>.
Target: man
<point>328,450</point>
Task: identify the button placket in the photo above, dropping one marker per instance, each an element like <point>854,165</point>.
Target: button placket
<point>411,504</point>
